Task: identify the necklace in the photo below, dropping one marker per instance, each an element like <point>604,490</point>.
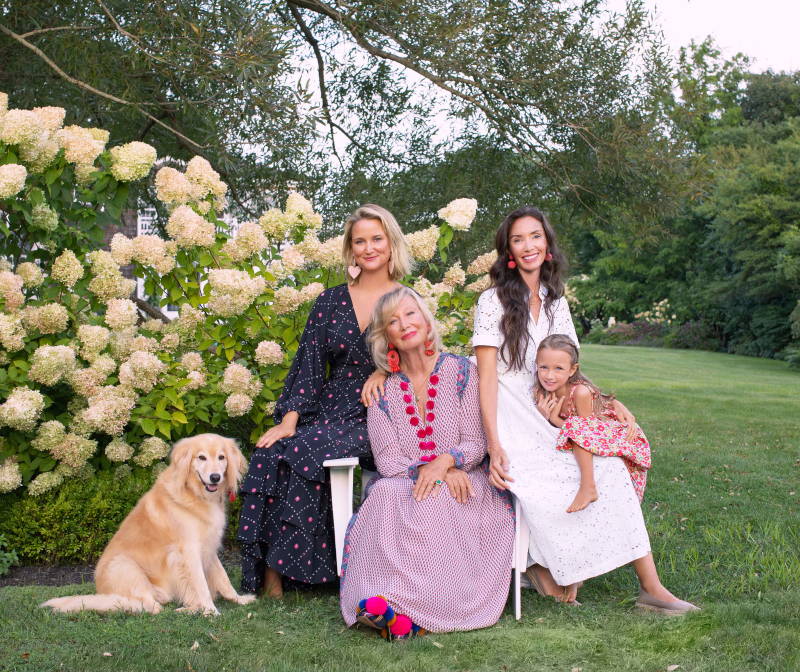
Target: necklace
<point>424,426</point>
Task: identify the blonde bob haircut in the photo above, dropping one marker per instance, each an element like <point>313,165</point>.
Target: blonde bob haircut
<point>400,260</point>
<point>381,315</point>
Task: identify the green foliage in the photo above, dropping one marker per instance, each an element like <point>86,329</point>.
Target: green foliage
<point>74,523</point>
<point>8,556</point>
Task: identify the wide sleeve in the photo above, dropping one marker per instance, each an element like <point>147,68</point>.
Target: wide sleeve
<point>562,321</point>
<point>471,448</point>
<point>488,313</point>
<point>303,384</point>
<point>385,442</point>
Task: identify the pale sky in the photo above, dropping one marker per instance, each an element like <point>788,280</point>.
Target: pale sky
<point>764,30</point>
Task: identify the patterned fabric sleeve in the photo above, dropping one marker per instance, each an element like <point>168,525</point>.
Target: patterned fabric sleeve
<point>471,449</point>
<point>562,321</point>
<point>389,456</point>
<point>487,320</point>
<point>303,383</point>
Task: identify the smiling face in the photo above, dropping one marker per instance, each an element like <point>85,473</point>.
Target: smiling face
<point>210,463</point>
<point>527,243</point>
<point>407,329</point>
<point>554,369</point>
<point>370,245</point>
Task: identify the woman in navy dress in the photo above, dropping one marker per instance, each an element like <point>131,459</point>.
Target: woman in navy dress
<point>285,527</point>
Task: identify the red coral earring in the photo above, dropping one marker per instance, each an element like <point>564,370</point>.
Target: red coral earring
<point>511,263</point>
<point>429,351</point>
<point>548,257</point>
<point>393,358</point>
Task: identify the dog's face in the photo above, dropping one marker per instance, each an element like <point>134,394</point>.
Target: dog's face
<point>209,463</point>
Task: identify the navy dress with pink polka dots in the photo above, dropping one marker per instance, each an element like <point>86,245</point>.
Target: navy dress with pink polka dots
<point>286,521</point>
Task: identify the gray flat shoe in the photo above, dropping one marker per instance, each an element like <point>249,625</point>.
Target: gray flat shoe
<point>647,602</point>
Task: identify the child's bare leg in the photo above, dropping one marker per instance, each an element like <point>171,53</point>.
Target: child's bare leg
<point>648,578</point>
<point>587,492</point>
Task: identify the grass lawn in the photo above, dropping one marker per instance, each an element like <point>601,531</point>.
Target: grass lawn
<point>722,512</point>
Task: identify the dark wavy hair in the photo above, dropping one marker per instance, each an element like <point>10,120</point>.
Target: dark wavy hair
<point>513,292</point>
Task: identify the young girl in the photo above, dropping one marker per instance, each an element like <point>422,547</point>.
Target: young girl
<point>589,425</point>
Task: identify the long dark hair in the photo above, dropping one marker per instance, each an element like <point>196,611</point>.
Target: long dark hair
<point>565,344</point>
<point>513,292</point>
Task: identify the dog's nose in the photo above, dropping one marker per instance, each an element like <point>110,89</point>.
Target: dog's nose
<point>214,478</point>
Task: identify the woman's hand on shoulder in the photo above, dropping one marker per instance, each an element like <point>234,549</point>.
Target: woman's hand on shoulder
<point>459,485</point>
<point>282,430</point>
<point>373,388</point>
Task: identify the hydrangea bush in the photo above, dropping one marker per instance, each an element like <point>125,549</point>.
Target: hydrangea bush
<point>87,380</point>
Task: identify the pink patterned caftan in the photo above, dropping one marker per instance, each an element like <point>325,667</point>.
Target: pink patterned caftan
<point>445,565</point>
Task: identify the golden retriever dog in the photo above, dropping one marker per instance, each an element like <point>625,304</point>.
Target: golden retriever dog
<point>166,548</point>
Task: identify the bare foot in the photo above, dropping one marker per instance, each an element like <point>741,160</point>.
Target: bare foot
<point>570,593</point>
<point>586,495</point>
<point>660,593</point>
<point>273,584</point>
<point>546,584</point>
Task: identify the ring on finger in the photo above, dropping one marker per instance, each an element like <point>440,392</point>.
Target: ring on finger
<point>438,481</point>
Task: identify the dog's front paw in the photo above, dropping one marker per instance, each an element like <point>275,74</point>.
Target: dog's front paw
<point>210,611</point>
<point>205,611</point>
<point>245,599</point>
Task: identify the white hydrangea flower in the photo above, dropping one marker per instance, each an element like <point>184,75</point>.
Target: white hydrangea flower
<point>238,379</point>
<point>192,361</point>
<point>132,161</point>
<point>200,173</point>
<point>50,118</point>
<point>197,379</point>
<point>249,240</point>
<point>454,276</point>
<point>93,339</point>
<point>44,217</point>
<point>173,188</point>
<point>12,333</point>
<point>482,263</point>
<point>109,410</point>
<point>311,291</point>
<point>121,313</point>
<point>299,209</point>
<point>22,409</point>
<point>50,364</point>
<point>151,450</point>
<point>81,145</point>
<point>119,451</point>
<point>30,273</point>
<point>44,482</point>
<point>51,318</point>
<point>232,291</point>
<point>460,213</point>
<point>422,244</point>
<point>275,223</point>
<point>189,229</point>
<point>479,285</point>
<point>286,300</point>
<point>11,290</point>
<point>238,404</point>
<point>12,179</point>
<point>268,352</point>
<point>292,259</point>
<point>10,475</point>
<point>141,371</point>
<point>67,269</point>
<point>20,127</point>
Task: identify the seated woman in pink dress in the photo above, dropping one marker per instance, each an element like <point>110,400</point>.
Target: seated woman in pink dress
<point>430,547</point>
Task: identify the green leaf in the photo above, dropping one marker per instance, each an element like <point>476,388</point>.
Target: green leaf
<point>148,426</point>
<point>177,416</point>
<point>165,429</point>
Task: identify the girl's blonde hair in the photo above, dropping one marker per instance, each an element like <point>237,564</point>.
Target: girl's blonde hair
<point>400,259</point>
<point>564,343</point>
<point>381,314</point>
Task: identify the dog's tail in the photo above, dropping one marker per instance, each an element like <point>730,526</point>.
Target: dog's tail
<point>108,602</point>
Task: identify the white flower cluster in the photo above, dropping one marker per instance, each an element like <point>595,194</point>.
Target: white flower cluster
<point>299,212</point>
<point>44,482</point>
<point>147,249</point>
<point>119,451</point>
<point>240,386</point>
<point>132,161</point>
<point>480,284</point>
<point>151,450</point>
<point>232,291</point>
<point>454,276</point>
<point>483,263</point>
<point>94,339</point>
<point>108,283</point>
<point>67,269</point>
<point>12,179</point>
<point>12,333</point>
<point>30,273</point>
<point>33,132</point>
<point>121,314</point>
<point>141,371</point>
<point>22,409</point>
<point>50,318</point>
<point>248,241</point>
<point>269,352</point>
<point>422,244</point>
<point>109,410</point>
<point>50,364</point>
<point>11,290</point>
<point>10,475</point>
<point>199,186</point>
<point>460,213</point>
<point>82,146</point>
<point>192,361</point>
<point>188,229</point>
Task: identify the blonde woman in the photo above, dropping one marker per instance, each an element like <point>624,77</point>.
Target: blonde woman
<point>285,525</point>
<point>430,547</point>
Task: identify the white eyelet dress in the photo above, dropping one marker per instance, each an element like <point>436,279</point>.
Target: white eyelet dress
<point>608,533</point>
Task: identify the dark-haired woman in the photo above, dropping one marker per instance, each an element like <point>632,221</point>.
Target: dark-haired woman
<point>524,305</point>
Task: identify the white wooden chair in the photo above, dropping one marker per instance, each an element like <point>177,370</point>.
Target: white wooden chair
<point>340,473</point>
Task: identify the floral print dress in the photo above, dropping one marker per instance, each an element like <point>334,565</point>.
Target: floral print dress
<point>605,436</point>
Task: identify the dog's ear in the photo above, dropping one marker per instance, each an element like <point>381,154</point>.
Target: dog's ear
<point>236,465</point>
<point>180,460</point>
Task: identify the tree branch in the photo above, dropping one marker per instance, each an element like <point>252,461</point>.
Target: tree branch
<point>33,33</point>
<point>91,89</point>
